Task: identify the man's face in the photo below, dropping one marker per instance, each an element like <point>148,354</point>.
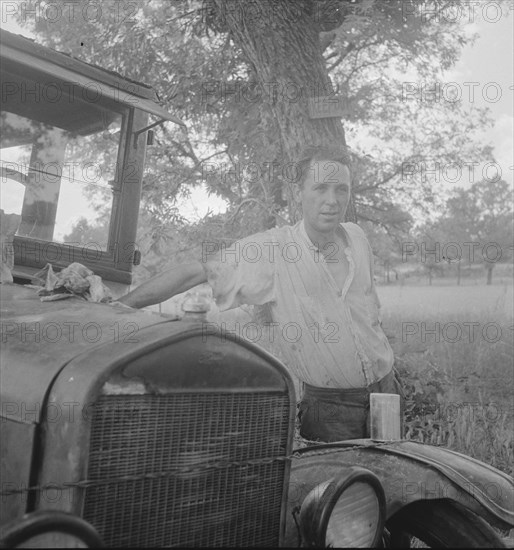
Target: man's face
<point>324,196</point>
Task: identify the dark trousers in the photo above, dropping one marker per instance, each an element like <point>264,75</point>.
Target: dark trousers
<point>330,415</point>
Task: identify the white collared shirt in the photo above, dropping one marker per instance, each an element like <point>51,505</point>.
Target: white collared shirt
<point>327,336</point>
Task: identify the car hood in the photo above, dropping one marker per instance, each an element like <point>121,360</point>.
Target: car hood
<point>40,338</point>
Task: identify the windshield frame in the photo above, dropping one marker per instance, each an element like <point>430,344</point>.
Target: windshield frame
<point>116,262</point>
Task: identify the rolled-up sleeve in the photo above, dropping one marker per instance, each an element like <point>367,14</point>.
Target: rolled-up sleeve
<point>242,273</point>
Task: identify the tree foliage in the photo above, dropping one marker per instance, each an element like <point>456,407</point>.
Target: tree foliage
<point>240,74</point>
<point>482,215</point>
<point>476,228</point>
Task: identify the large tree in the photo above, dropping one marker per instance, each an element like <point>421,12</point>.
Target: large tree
<point>241,73</point>
<point>281,43</point>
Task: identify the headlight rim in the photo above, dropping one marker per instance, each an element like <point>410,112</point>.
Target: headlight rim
<point>40,522</point>
<point>318,505</point>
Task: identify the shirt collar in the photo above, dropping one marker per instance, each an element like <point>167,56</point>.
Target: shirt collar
<point>299,229</point>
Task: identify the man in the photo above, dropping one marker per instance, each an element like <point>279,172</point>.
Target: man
<point>316,280</point>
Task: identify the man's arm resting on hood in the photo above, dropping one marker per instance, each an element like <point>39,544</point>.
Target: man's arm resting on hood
<point>163,286</point>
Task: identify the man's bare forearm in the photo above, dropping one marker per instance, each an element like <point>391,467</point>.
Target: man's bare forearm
<point>165,285</point>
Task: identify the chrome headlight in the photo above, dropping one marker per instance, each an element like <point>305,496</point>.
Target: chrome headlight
<point>348,511</point>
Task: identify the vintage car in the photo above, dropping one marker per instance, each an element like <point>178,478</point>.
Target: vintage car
<point>125,428</point>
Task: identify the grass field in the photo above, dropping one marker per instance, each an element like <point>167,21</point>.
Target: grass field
<point>454,350</point>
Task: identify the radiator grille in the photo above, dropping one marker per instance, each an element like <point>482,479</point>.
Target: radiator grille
<point>135,435</point>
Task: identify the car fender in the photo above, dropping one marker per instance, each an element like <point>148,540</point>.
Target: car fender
<point>409,471</point>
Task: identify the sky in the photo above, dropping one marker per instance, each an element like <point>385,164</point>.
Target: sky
<point>490,63</point>
<point>484,74</point>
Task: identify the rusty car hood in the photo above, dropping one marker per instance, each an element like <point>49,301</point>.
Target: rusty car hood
<point>49,335</point>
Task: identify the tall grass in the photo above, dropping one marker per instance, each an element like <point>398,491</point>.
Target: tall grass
<point>460,390</point>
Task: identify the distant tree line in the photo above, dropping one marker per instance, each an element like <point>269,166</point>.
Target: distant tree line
<point>475,229</point>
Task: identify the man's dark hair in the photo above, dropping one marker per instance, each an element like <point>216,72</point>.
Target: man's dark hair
<point>317,153</point>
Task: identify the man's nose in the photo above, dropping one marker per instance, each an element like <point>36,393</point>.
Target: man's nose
<point>331,197</point>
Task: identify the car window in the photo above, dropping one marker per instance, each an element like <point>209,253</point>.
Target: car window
<point>58,169</point>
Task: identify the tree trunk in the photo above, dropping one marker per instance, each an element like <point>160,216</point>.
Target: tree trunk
<point>280,40</point>
<point>458,273</point>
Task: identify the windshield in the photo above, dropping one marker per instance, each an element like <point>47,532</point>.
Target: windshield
<point>58,161</point>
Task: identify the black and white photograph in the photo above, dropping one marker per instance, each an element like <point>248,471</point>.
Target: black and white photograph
<point>257,273</point>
